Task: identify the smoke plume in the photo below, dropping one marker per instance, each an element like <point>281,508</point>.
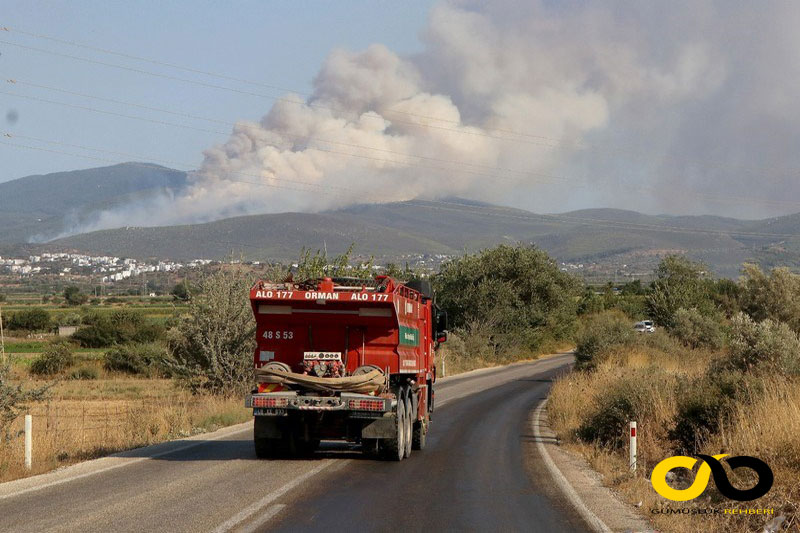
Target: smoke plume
<point>683,107</point>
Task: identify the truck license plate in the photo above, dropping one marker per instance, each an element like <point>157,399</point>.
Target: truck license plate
<point>267,411</point>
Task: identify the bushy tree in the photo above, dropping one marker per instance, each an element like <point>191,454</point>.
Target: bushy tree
<point>634,287</point>
<point>726,295</point>
<point>765,345</point>
<point>517,291</point>
<point>679,284</point>
<point>696,330</point>
<point>13,400</point>
<point>34,319</point>
<point>182,291</point>
<point>598,333</point>
<point>590,302</point>
<point>212,346</point>
<point>775,296</point>
<point>137,359</point>
<point>74,296</point>
<point>57,357</point>
<point>101,330</point>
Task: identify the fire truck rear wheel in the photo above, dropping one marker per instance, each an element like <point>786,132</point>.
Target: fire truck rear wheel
<point>410,417</point>
<point>394,448</point>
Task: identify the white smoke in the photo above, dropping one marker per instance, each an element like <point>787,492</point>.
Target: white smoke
<point>542,105</point>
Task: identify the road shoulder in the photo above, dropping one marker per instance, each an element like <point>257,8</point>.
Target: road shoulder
<point>126,458</point>
<point>598,505</point>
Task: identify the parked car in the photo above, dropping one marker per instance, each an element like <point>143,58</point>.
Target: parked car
<point>645,326</point>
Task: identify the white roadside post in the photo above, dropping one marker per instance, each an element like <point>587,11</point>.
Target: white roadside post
<point>632,458</point>
<point>28,441</point>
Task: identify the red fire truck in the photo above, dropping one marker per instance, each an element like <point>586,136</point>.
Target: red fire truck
<point>344,359</point>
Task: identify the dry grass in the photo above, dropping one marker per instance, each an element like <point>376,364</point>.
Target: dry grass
<point>458,361</point>
<point>768,428</point>
<point>89,419</point>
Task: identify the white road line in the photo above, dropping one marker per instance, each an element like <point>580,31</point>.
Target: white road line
<point>591,519</point>
<point>120,465</point>
<point>243,515</point>
<point>265,517</point>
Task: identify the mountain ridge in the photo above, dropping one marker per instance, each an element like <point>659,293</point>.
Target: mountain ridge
<point>43,204</point>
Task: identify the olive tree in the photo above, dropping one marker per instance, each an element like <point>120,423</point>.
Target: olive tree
<point>211,348</point>
<point>679,284</point>
<point>775,295</point>
<point>517,293</point>
<point>13,400</point>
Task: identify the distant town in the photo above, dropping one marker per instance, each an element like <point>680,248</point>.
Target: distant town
<point>111,268</point>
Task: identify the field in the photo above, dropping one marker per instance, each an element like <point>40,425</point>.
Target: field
<point>90,411</point>
<point>86,419</point>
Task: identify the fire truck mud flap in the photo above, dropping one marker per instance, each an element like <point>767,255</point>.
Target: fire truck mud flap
<point>266,428</point>
<point>381,428</point>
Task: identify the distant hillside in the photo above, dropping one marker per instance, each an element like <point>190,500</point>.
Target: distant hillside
<point>44,205</point>
<point>389,231</point>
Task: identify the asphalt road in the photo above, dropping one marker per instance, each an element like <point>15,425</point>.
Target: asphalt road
<point>479,472</point>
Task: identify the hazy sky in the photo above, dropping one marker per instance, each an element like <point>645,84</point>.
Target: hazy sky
<point>279,43</point>
<point>678,107</point>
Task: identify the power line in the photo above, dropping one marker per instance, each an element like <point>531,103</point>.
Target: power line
<point>558,142</point>
<point>463,131</point>
<point>241,80</point>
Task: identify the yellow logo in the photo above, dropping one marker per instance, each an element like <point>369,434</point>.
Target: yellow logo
<point>712,466</point>
<point>659,477</point>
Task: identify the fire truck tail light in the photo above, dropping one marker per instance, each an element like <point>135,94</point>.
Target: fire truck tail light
<point>367,405</point>
<point>260,401</point>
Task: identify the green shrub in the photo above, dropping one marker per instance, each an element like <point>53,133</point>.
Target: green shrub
<point>69,319</point>
<point>85,373</point>
<point>630,398</point>
<point>590,302</point>
<point>14,401</point>
<point>102,330</point>
<point>698,331</point>
<point>137,359</point>
<point>704,405</point>
<point>34,319</point>
<point>74,296</point>
<point>766,345</point>
<point>600,332</point>
<point>56,358</point>
<point>633,305</point>
<point>775,296</point>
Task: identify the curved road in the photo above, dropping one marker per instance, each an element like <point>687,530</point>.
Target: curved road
<point>479,472</point>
